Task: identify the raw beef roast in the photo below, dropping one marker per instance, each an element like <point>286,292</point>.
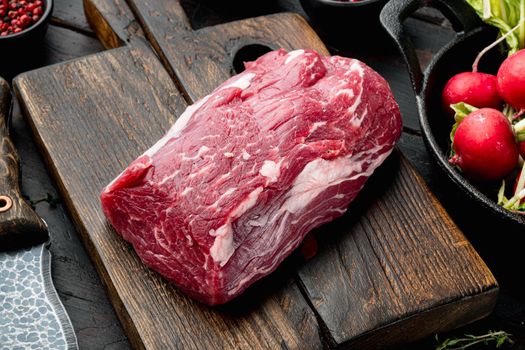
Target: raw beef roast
<point>246,172</point>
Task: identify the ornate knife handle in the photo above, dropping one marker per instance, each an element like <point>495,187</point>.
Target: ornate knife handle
<point>20,226</point>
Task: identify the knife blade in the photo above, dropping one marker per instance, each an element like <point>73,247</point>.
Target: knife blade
<point>31,313</point>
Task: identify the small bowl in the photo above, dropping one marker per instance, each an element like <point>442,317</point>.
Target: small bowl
<point>338,19</point>
<point>29,36</point>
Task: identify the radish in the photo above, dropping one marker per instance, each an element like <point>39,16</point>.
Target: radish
<point>477,89</point>
<point>484,145</point>
<point>511,80</point>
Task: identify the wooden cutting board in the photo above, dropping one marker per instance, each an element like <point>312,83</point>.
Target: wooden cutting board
<point>394,269</point>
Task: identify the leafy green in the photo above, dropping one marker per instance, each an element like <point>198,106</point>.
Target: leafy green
<point>519,129</point>
<point>504,15</point>
<point>509,112</point>
<point>468,340</point>
<point>462,109</point>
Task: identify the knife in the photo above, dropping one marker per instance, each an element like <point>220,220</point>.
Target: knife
<point>31,313</point>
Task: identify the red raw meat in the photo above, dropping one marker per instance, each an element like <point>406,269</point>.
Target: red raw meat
<point>246,172</point>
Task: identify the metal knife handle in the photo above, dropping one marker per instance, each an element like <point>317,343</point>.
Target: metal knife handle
<point>20,226</point>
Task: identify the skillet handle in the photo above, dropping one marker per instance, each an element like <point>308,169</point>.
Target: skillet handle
<point>463,18</point>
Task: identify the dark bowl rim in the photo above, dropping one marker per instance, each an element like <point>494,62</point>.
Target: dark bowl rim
<point>42,20</point>
<point>337,3</point>
<point>462,182</point>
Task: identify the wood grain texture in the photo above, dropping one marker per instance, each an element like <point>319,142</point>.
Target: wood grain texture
<point>69,13</point>
<point>113,22</point>
<point>371,271</point>
<point>100,98</point>
<point>395,261</point>
<point>20,226</point>
<point>200,60</point>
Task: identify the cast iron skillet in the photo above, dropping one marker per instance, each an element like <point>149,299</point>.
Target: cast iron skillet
<point>345,23</point>
<point>472,36</point>
<point>348,14</point>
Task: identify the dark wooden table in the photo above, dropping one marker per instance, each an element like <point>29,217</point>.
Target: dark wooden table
<point>93,317</point>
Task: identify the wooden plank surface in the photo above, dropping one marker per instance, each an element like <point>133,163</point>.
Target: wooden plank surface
<point>200,60</point>
<point>70,14</point>
<point>395,262</point>
<point>113,22</point>
<point>442,266</point>
<point>330,313</point>
<point>76,104</point>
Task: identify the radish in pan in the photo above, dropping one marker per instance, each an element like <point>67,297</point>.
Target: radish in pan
<point>511,80</point>
<point>477,89</point>
<point>484,145</point>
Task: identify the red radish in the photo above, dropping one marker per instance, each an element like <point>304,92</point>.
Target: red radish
<point>511,80</point>
<point>477,89</point>
<point>485,146</point>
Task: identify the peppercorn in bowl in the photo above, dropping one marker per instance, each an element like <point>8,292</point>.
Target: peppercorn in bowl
<point>23,22</point>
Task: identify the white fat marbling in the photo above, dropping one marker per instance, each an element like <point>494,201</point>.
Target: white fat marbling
<point>293,55</point>
<point>222,248</point>
<point>245,155</point>
<point>243,82</point>
<point>271,170</point>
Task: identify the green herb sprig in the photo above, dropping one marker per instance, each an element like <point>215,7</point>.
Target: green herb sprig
<point>497,338</point>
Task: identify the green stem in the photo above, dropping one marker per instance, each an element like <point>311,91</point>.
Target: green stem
<point>487,12</point>
<point>514,201</point>
<point>503,11</point>
<point>521,181</point>
<point>492,336</point>
<point>521,34</point>
<point>503,37</point>
<point>519,126</point>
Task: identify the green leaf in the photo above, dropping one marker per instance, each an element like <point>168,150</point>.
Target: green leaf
<point>453,342</point>
<point>504,15</point>
<point>500,341</point>
<point>520,207</point>
<point>462,109</point>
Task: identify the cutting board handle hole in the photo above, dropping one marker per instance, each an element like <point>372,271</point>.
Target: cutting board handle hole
<point>248,53</point>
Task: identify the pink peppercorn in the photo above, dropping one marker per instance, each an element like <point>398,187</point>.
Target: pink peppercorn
<point>17,15</point>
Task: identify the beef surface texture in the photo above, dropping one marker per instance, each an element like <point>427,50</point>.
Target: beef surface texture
<point>246,172</point>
